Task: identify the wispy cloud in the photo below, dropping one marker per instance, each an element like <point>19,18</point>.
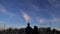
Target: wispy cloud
<point>52,20</point>
<point>26,17</point>
<point>2,9</point>
<point>5,12</point>
<point>41,20</point>
<point>55,3</point>
<point>34,8</point>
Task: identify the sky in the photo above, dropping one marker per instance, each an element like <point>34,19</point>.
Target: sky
<point>42,13</point>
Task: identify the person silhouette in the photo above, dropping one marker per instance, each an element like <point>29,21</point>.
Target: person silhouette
<point>28,29</point>
<point>35,30</point>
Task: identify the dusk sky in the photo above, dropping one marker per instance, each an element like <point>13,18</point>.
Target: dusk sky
<point>17,13</point>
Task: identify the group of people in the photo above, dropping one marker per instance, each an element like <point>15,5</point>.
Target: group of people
<point>29,30</point>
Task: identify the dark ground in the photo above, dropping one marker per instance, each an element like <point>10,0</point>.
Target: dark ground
<point>22,31</point>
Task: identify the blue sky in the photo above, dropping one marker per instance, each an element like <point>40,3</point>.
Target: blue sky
<point>38,12</point>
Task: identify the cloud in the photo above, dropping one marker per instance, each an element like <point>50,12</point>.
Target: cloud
<point>41,20</point>
<point>52,20</point>
<point>34,8</point>
<point>42,8</point>
<point>2,9</point>
<point>26,17</point>
<point>55,3</point>
<point>5,12</point>
<point>10,14</point>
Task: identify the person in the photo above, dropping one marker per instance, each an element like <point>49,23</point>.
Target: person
<point>48,30</point>
<point>28,29</point>
<point>35,30</point>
